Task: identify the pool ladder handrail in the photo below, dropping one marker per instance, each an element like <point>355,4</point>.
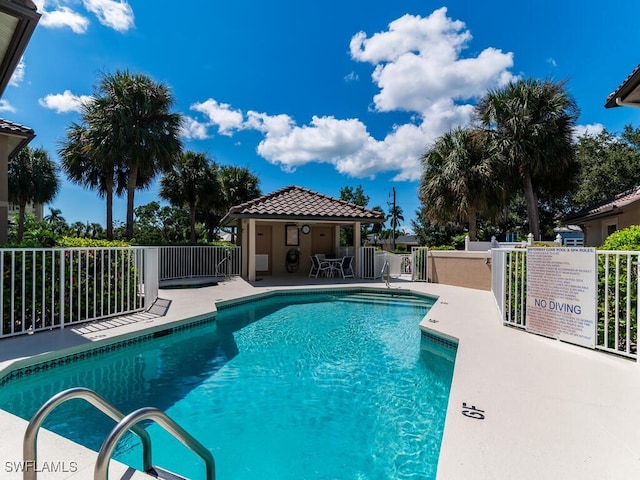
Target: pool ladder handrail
<point>125,422</point>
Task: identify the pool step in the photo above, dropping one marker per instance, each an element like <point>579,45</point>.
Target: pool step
<point>377,299</point>
<point>162,474</point>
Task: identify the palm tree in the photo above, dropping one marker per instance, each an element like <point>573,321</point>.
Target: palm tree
<point>85,162</point>
<point>395,215</point>
<point>531,123</point>
<point>187,183</point>
<point>458,179</point>
<point>132,117</point>
<point>237,185</point>
<point>32,179</point>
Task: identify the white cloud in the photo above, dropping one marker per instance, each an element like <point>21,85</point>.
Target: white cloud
<point>351,77</point>
<point>5,106</point>
<point>418,67</point>
<point>18,74</point>
<point>192,129</point>
<point>64,102</point>
<point>220,115</point>
<point>115,14</point>
<point>418,63</point>
<point>63,17</point>
<point>112,13</point>
<point>590,130</point>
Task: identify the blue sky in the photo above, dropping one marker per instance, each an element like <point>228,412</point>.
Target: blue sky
<point>318,94</point>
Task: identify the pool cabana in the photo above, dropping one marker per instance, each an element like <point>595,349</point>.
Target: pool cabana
<point>279,232</point>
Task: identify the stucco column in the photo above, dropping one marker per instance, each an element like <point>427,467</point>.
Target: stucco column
<point>251,254</point>
<point>357,242</point>
<point>4,189</point>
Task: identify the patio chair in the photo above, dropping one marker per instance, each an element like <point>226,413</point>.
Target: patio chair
<point>317,267</point>
<point>346,269</point>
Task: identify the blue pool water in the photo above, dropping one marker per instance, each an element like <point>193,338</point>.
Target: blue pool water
<point>290,387</point>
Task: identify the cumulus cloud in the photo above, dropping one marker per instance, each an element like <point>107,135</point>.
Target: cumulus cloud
<point>220,115</point>
<point>64,102</point>
<point>112,13</point>
<point>418,62</point>
<point>590,130</point>
<point>18,74</point>
<point>63,17</point>
<point>115,14</point>
<point>192,129</point>
<point>5,106</point>
<point>418,66</point>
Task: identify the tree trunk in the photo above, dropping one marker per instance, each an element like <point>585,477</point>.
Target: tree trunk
<point>109,197</point>
<point>131,189</point>
<point>192,221</point>
<point>532,206</point>
<point>23,207</point>
<point>473,220</point>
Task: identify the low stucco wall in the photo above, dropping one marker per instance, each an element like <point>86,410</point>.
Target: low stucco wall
<point>460,268</point>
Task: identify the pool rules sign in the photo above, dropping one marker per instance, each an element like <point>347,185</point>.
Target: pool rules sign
<point>561,293</point>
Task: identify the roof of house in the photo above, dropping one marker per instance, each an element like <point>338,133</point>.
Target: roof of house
<point>18,135</point>
<point>18,20</point>
<point>607,208</point>
<point>297,203</point>
<point>627,92</point>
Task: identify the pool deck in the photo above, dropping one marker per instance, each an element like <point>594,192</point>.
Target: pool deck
<point>551,410</point>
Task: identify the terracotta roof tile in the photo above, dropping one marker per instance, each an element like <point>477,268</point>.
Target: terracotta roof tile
<point>608,207</point>
<point>628,90</point>
<point>301,203</point>
<point>15,128</point>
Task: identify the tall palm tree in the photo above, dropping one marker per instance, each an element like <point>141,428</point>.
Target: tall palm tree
<point>237,185</point>
<point>85,162</point>
<point>32,179</point>
<point>531,123</point>
<point>459,179</point>
<point>187,183</point>
<point>133,117</point>
<point>395,216</point>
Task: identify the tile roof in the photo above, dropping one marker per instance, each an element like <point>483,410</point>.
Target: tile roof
<point>607,208</point>
<point>628,91</point>
<point>18,135</point>
<point>15,128</point>
<point>302,204</point>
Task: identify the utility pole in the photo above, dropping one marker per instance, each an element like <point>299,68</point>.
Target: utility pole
<point>393,217</point>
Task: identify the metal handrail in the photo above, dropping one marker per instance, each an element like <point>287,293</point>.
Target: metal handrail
<point>101,471</point>
<point>30,444</point>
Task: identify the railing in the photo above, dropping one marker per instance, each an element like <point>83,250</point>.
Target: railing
<point>46,288</point>
<point>101,471</point>
<point>124,424</point>
<point>30,442</point>
<point>199,261</point>
<point>618,301</point>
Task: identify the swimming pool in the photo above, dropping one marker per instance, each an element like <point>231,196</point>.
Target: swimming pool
<point>323,386</point>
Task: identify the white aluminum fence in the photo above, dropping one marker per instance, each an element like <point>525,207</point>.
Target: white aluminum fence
<point>419,266</point>
<point>199,261</point>
<point>372,263</point>
<point>51,288</point>
<point>618,296</point>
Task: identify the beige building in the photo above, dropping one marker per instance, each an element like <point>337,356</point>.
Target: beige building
<point>280,232</point>
<point>602,219</point>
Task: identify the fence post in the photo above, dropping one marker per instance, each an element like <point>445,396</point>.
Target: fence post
<point>558,239</point>
<point>62,292</point>
<point>467,242</point>
<point>530,239</point>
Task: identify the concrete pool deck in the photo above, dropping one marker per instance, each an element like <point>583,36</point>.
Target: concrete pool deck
<point>551,410</point>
